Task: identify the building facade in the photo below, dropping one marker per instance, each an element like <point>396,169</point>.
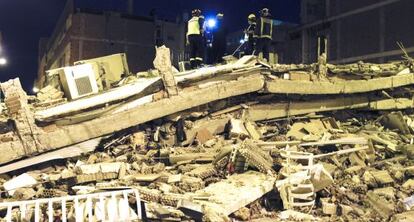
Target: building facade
<point>84,34</point>
<point>354,30</point>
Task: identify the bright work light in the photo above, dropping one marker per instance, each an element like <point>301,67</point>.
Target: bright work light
<point>211,23</point>
<point>3,61</point>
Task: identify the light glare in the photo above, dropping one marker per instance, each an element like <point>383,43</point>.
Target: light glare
<point>3,61</point>
<point>211,23</point>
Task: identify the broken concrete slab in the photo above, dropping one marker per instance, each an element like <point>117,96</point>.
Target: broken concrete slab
<point>403,217</point>
<point>344,147</point>
<point>320,177</point>
<point>395,120</point>
<point>235,192</point>
<point>338,87</point>
<point>327,207</point>
<point>23,180</point>
<point>383,207</point>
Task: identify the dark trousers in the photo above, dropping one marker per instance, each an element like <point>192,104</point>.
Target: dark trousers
<point>196,50</point>
<point>263,45</point>
<point>251,45</point>
<point>219,49</point>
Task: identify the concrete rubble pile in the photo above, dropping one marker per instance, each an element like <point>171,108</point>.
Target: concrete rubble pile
<point>244,141</point>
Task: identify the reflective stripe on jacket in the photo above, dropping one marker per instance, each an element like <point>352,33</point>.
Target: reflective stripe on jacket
<point>265,28</point>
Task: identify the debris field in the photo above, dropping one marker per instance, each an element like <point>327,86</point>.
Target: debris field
<point>242,141</point>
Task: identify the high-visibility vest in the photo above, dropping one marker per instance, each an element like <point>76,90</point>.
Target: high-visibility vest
<point>266,28</point>
<point>194,26</point>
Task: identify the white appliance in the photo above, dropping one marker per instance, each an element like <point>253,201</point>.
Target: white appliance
<point>78,81</point>
<point>110,68</point>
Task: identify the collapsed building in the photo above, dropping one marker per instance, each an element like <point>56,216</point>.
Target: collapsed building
<point>244,140</point>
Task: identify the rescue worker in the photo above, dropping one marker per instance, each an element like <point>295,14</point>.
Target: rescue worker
<point>251,35</point>
<point>195,38</point>
<point>219,39</point>
<point>264,32</point>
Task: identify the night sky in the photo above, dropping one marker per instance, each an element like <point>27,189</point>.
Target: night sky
<point>24,22</point>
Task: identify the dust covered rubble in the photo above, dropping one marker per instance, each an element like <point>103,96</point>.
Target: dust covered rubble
<point>347,166</point>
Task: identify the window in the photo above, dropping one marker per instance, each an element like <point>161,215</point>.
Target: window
<point>317,9</point>
<point>322,45</point>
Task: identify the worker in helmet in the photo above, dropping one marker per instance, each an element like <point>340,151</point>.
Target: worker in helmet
<point>195,38</point>
<point>251,35</point>
<point>219,39</point>
<point>264,32</point>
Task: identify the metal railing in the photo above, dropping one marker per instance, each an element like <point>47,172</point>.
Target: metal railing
<point>105,206</point>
